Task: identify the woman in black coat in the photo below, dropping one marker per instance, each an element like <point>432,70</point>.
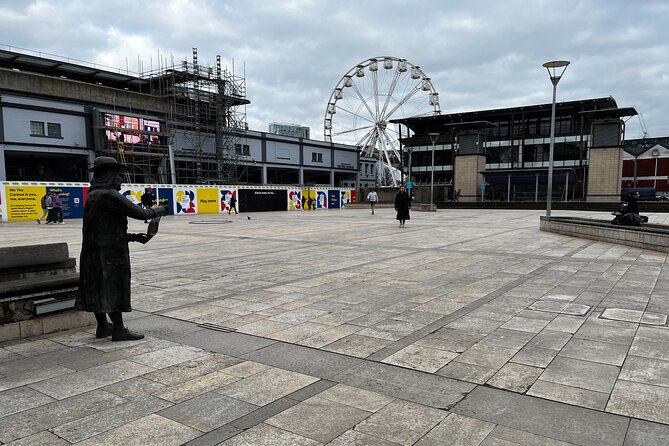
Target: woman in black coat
<point>402,206</point>
<point>104,284</point>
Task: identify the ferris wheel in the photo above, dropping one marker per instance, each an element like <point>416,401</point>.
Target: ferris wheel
<point>367,97</point>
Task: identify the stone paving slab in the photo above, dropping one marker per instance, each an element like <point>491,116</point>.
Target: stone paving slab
<point>402,422</point>
<point>54,414</point>
<point>554,420</point>
<point>152,429</point>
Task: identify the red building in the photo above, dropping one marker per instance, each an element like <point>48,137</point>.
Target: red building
<point>646,164</point>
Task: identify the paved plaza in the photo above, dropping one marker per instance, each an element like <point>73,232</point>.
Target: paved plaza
<point>467,327</point>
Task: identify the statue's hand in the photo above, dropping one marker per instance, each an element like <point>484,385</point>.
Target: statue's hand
<point>141,238</point>
<point>161,210</point>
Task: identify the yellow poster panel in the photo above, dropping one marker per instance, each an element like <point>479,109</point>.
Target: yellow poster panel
<point>23,202</point>
<point>309,199</point>
<point>207,200</point>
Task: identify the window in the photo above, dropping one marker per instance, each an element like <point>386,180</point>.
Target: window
<point>36,128</point>
<point>242,149</point>
<point>53,130</point>
<point>317,157</point>
<point>366,168</point>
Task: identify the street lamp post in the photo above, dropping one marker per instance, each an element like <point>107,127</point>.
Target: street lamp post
<point>433,139</point>
<point>553,68</point>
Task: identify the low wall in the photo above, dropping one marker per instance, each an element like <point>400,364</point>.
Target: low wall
<point>648,236</point>
<point>49,323</point>
<point>20,200</point>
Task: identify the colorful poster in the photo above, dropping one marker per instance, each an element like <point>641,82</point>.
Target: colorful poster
<point>72,200</point>
<point>294,200</point>
<point>333,199</point>
<point>345,197</point>
<point>23,202</point>
<point>166,198</point>
<point>3,208</point>
<point>185,201</point>
<point>308,199</point>
<point>353,196</point>
<point>224,199</point>
<point>207,200</point>
<point>133,193</point>
<point>321,199</point>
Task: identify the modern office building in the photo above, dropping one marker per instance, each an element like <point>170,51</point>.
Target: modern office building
<point>181,124</point>
<point>503,154</point>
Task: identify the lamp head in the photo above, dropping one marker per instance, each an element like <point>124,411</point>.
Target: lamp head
<point>556,69</point>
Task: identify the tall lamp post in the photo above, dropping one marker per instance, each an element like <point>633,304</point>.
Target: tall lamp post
<point>556,69</point>
<point>433,139</point>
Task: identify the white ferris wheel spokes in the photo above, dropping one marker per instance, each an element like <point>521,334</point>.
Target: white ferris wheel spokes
<point>367,97</point>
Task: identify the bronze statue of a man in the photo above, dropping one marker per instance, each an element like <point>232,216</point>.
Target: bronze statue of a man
<point>104,286</point>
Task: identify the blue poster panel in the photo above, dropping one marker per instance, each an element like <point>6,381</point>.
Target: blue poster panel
<point>166,198</point>
<point>333,199</point>
<point>321,199</point>
<point>72,200</point>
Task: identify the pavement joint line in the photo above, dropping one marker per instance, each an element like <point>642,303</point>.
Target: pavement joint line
<point>261,414</point>
<point>216,436</point>
<point>580,249</point>
<point>311,390</point>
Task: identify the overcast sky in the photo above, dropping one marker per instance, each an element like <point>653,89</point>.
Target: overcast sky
<point>480,54</point>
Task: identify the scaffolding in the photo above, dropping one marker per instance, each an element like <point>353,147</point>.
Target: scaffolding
<point>206,119</point>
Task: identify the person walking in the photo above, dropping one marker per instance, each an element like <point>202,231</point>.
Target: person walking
<point>233,204</point>
<point>104,285</point>
<point>373,197</point>
<point>147,199</point>
<point>402,206</point>
<point>57,209</point>
<point>45,211</point>
<point>51,213</point>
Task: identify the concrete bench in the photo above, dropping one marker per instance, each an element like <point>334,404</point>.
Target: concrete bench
<point>647,236</point>
<point>35,280</point>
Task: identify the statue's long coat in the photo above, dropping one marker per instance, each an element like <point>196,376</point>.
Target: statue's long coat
<point>104,285</point>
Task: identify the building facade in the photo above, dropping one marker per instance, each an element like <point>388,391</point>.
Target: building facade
<point>368,172</point>
<point>503,154</point>
<point>646,165</point>
<point>180,124</point>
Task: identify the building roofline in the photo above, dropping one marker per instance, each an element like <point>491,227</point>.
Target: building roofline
<point>608,102</point>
